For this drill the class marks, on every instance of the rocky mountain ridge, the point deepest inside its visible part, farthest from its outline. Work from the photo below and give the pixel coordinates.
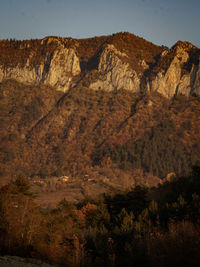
(116, 109)
(120, 61)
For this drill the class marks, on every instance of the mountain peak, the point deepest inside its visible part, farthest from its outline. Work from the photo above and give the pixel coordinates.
(184, 45)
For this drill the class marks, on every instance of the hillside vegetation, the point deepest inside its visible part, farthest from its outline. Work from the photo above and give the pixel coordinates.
(142, 227)
(45, 133)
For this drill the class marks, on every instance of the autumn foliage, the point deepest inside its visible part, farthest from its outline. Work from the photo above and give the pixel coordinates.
(143, 227)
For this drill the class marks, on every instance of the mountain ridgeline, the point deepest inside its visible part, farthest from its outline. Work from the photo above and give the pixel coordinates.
(106, 106)
(110, 63)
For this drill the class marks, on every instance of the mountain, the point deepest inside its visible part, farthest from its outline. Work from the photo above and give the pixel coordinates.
(117, 109)
(120, 61)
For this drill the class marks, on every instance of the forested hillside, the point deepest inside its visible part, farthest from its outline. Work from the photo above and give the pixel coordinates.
(45, 133)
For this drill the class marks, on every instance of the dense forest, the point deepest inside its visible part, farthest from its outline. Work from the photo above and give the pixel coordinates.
(155, 152)
(138, 227)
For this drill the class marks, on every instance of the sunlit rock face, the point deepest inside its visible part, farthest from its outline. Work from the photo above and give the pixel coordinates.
(174, 79)
(56, 69)
(115, 73)
(62, 67)
(175, 71)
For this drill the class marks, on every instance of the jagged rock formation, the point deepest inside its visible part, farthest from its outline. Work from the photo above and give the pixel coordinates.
(57, 62)
(56, 68)
(62, 67)
(177, 77)
(115, 74)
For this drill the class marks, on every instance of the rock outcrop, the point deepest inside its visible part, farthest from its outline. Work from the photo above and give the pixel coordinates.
(174, 71)
(169, 80)
(63, 66)
(173, 80)
(56, 69)
(115, 73)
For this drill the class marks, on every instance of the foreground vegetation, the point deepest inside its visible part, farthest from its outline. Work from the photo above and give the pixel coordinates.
(140, 227)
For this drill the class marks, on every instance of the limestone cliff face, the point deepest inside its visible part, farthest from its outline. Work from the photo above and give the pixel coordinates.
(174, 80)
(175, 70)
(56, 69)
(22, 74)
(62, 67)
(115, 73)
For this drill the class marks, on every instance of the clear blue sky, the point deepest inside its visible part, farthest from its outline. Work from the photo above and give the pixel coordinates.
(160, 21)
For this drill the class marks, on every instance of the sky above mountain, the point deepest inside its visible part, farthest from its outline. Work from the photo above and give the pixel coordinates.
(162, 22)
